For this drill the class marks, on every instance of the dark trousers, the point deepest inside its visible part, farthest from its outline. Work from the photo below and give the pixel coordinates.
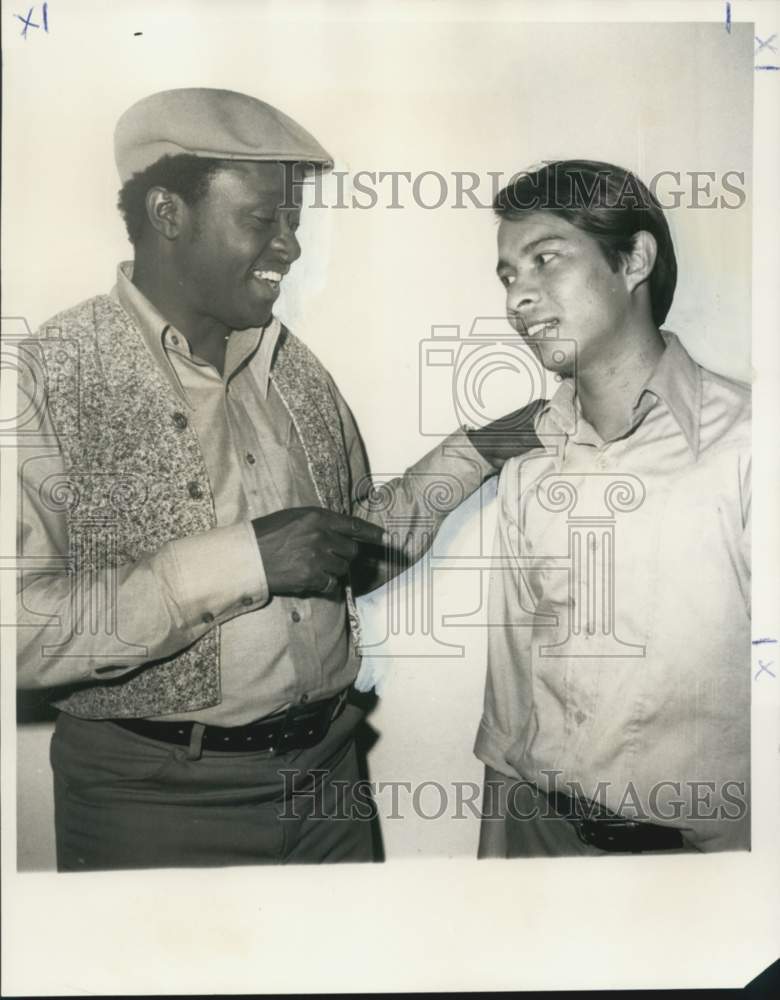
(125, 801)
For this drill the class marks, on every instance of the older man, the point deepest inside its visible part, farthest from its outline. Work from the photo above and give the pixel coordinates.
(191, 504)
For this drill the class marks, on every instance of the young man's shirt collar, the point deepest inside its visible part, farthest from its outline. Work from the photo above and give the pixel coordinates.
(675, 381)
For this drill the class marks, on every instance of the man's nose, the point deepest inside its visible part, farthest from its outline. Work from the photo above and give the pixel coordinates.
(522, 294)
(285, 242)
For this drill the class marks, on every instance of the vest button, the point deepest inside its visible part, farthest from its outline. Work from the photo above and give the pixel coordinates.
(246, 600)
(250, 458)
(195, 491)
(296, 616)
(180, 421)
(207, 618)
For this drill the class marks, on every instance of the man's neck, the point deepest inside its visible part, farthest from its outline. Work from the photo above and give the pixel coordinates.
(206, 337)
(607, 388)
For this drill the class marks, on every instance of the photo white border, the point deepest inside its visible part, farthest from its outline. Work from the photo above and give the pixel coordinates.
(441, 925)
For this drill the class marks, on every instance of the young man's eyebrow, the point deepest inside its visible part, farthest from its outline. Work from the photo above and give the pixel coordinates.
(544, 239)
(502, 262)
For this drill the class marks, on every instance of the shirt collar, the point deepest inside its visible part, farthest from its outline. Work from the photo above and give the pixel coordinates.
(560, 414)
(675, 381)
(156, 331)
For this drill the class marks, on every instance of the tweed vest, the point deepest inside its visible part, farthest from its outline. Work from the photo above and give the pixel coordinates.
(135, 478)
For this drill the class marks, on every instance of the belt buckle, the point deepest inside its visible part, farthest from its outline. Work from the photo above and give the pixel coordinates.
(290, 728)
(309, 732)
(605, 834)
(592, 833)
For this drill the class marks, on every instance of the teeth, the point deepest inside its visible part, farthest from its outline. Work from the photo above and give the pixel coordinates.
(537, 328)
(268, 275)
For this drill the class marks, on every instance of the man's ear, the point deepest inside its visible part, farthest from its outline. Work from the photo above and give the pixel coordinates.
(640, 260)
(165, 212)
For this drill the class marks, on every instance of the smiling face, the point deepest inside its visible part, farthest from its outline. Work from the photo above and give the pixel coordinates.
(559, 285)
(237, 243)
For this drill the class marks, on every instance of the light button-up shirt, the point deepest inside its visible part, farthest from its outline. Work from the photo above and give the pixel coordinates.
(622, 580)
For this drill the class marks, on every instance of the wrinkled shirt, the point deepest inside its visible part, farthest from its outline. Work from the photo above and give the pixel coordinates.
(274, 651)
(619, 638)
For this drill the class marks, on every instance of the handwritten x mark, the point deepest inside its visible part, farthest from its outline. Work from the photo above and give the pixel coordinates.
(766, 44)
(27, 21)
(764, 669)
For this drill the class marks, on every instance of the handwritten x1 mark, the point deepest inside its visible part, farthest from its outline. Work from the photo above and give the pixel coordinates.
(764, 669)
(766, 44)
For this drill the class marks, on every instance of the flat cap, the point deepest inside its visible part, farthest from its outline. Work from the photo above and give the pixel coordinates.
(218, 124)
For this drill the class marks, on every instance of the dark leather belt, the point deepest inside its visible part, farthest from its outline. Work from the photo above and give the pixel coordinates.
(298, 727)
(607, 831)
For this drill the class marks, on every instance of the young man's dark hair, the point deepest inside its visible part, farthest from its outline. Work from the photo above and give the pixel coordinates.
(183, 174)
(609, 203)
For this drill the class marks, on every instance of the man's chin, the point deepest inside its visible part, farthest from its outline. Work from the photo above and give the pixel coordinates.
(554, 357)
(257, 317)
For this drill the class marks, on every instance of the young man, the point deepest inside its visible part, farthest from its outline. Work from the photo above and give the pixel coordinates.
(188, 508)
(617, 705)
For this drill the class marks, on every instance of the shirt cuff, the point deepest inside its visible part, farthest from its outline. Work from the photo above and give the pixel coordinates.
(214, 576)
(491, 747)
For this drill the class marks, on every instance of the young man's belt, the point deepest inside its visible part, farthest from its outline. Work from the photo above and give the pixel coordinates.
(607, 831)
(295, 728)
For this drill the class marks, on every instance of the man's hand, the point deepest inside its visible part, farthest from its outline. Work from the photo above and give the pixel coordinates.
(508, 436)
(307, 550)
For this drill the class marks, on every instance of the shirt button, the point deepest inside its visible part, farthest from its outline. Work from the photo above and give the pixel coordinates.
(208, 618)
(246, 600)
(296, 616)
(195, 491)
(304, 699)
(179, 420)
(174, 339)
(250, 458)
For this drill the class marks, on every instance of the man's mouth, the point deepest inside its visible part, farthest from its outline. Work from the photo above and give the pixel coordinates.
(543, 328)
(271, 278)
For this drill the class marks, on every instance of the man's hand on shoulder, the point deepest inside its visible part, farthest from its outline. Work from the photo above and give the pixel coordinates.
(508, 436)
(307, 550)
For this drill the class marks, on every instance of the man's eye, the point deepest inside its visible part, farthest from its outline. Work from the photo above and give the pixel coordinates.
(506, 279)
(262, 220)
(545, 258)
